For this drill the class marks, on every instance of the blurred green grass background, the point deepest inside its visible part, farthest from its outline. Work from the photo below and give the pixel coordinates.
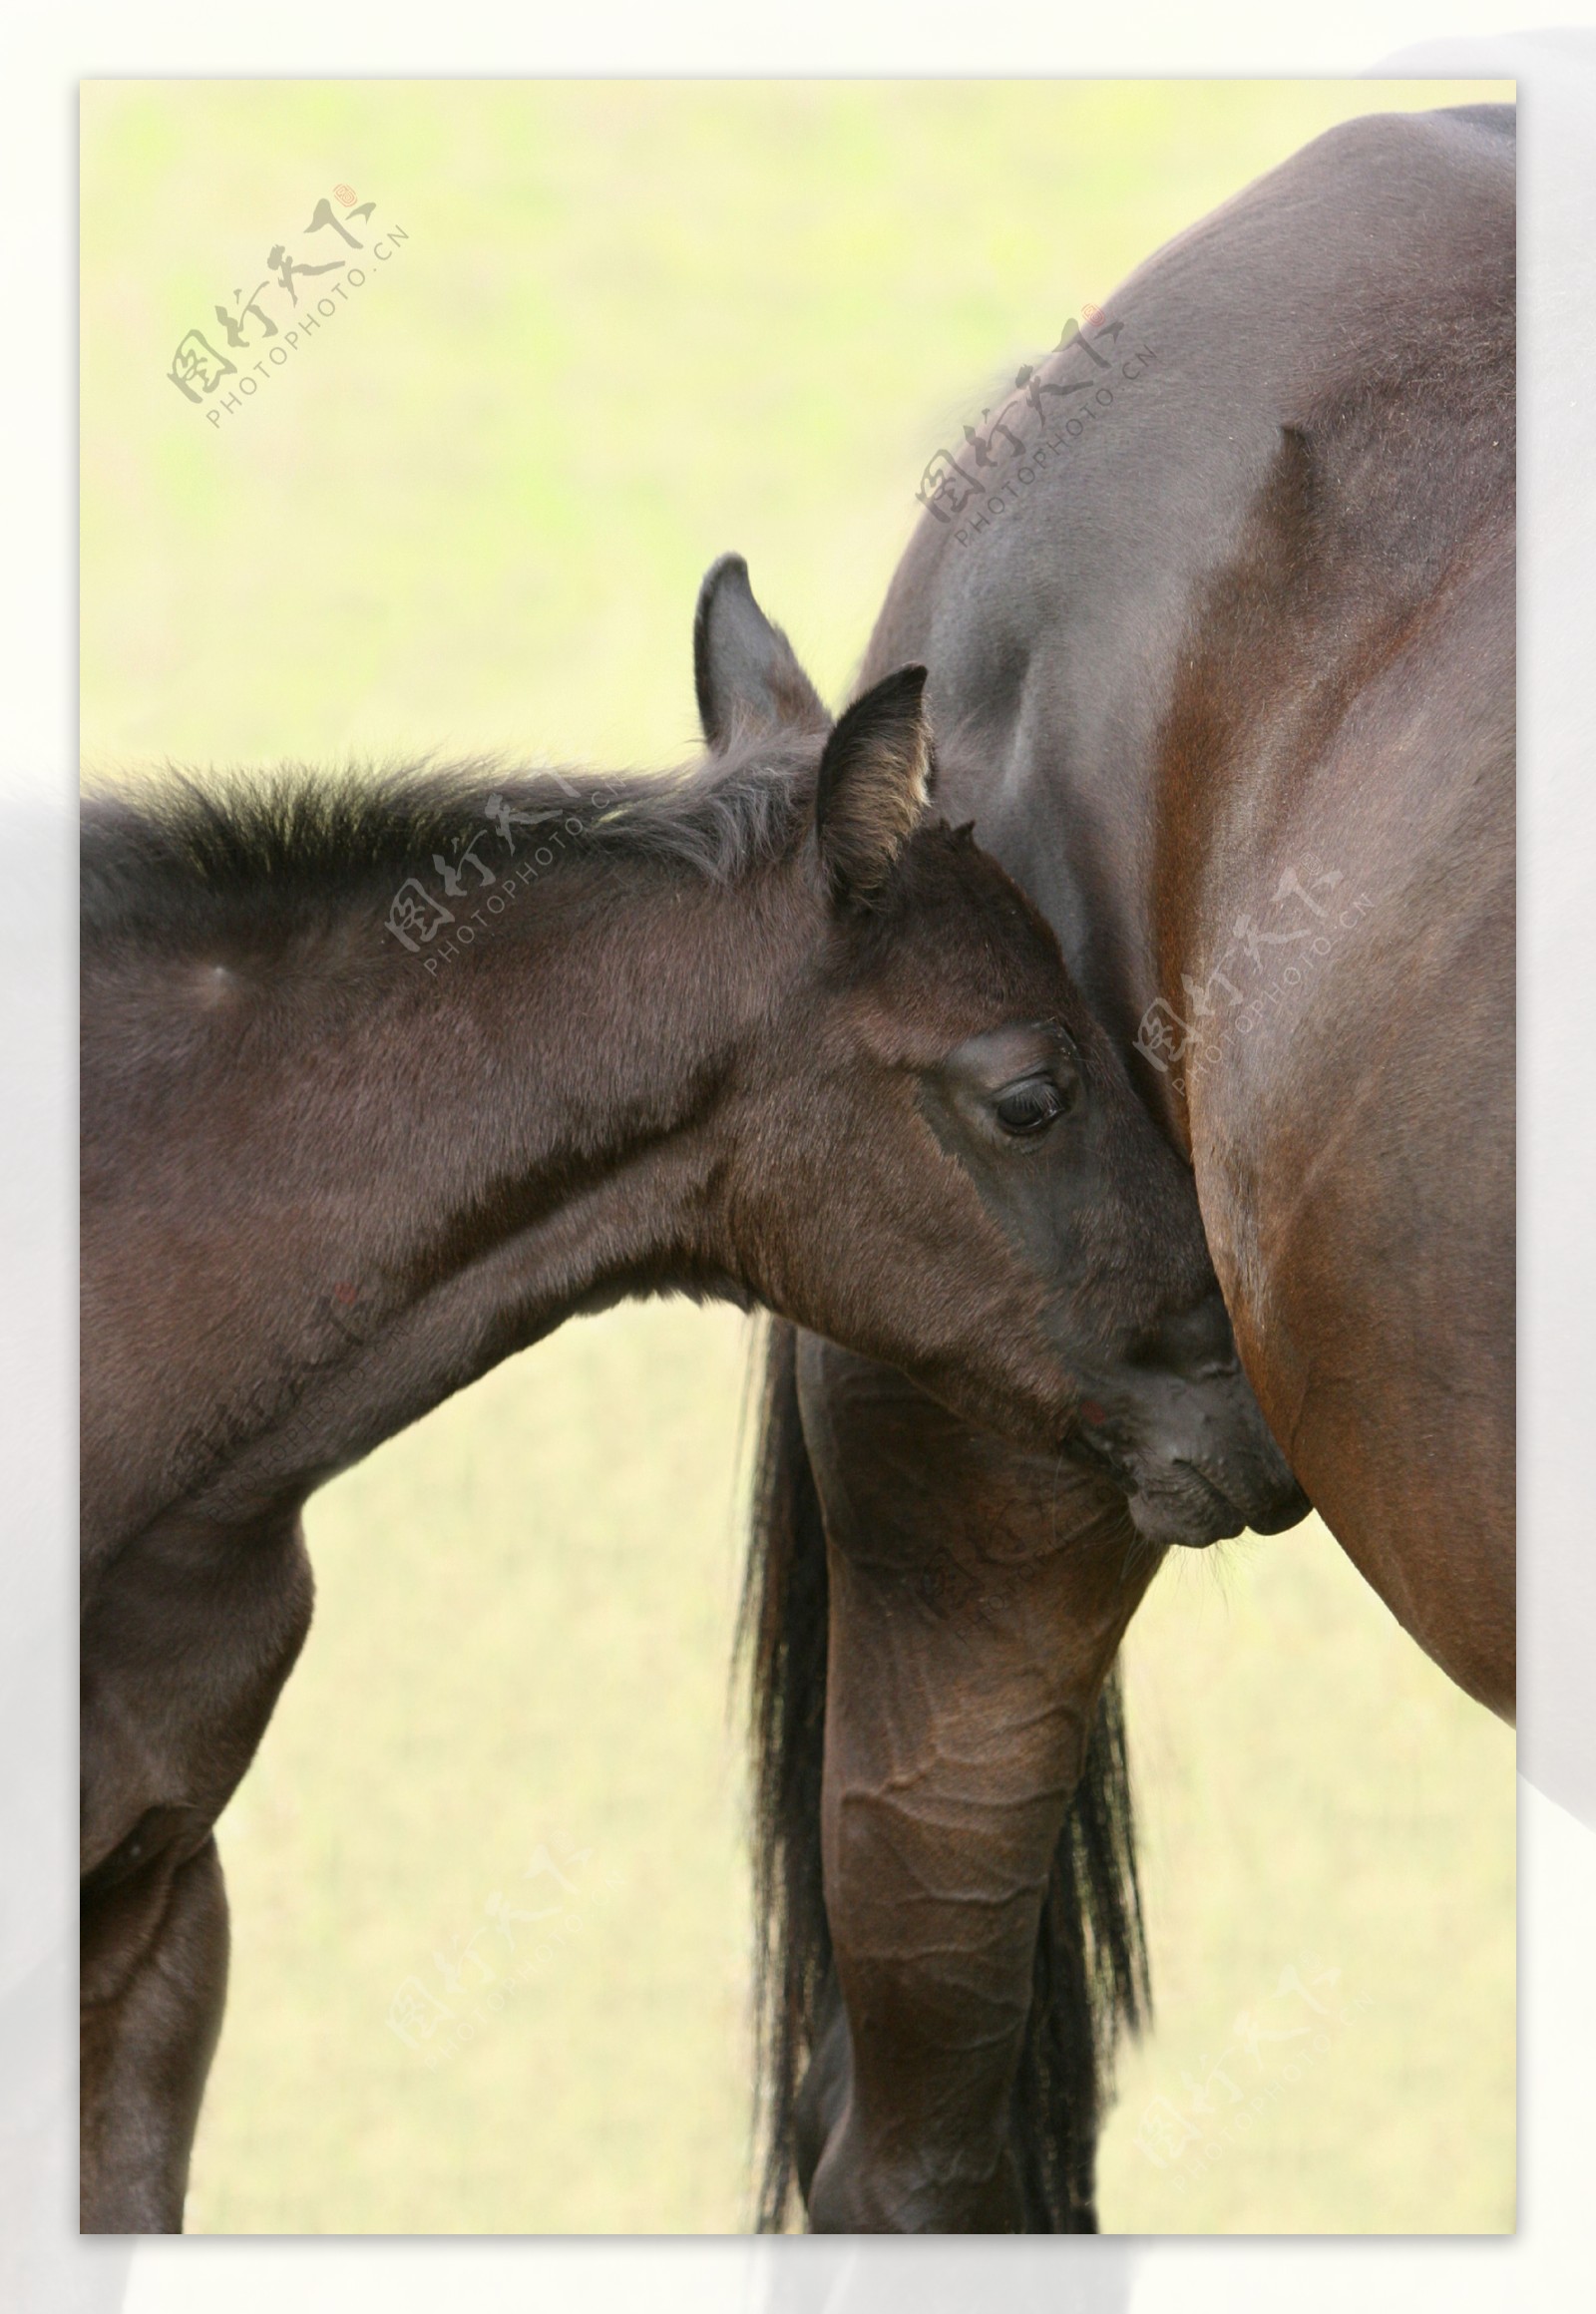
(633, 325)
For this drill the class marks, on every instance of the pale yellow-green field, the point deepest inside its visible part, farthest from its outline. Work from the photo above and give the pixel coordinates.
(632, 327)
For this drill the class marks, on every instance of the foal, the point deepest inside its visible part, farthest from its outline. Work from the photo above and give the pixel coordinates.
(381, 1082)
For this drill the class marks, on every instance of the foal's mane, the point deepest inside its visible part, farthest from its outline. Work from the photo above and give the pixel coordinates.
(174, 853)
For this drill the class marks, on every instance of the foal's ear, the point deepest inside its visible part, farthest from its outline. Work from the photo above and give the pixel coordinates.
(875, 781)
(749, 683)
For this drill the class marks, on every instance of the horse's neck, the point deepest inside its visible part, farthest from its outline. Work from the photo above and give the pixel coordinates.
(403, 1180)
(563, 1078)
(343, 1142)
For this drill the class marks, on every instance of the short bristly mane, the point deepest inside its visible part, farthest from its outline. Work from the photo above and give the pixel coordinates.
(174, 853)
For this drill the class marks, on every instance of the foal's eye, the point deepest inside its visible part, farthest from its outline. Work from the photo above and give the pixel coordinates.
(1028, 1108)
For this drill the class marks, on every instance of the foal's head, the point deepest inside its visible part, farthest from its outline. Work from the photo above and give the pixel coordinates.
(938, 1159)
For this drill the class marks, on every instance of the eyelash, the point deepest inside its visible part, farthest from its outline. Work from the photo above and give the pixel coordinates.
(1040, 1102)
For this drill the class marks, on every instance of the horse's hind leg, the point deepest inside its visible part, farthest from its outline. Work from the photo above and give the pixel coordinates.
(978, 1597)
(155, 1971)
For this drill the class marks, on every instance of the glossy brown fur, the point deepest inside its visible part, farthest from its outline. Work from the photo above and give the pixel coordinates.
(1373, 1141)
(1259, 628)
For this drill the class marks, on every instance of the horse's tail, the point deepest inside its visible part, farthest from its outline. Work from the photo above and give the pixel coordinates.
(783, 1624)
(1089, 1983)
(1091, 1973)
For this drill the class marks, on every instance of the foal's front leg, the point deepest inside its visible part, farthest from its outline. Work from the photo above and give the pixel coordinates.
(155, 1978)
(187, 1637)
(978, 1598)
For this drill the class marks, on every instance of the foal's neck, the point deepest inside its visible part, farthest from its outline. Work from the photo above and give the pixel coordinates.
(537, 1129)
(580, 1052)
(368, 1171)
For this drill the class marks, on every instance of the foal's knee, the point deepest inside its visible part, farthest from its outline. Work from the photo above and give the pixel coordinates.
(158, 1942)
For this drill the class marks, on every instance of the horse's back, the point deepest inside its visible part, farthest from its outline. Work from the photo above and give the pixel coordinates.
(1056, 632)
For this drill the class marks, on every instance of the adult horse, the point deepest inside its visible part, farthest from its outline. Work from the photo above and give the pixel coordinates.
(356, 1129)
(1220, 639)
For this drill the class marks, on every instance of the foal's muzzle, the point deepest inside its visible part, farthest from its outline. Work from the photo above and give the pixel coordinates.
(1179, 1428)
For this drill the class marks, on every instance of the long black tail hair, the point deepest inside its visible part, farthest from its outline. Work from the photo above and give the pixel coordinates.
(1090, 1973)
